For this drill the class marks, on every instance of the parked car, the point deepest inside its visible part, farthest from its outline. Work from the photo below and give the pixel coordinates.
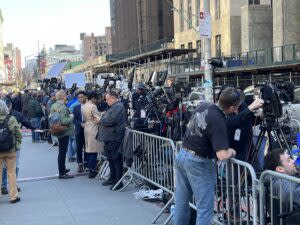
(194, 99)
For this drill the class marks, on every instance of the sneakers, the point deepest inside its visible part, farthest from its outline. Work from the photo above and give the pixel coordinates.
(65, 176)
(15, 200)
(4, 190)
(92, 174)
(108, 183)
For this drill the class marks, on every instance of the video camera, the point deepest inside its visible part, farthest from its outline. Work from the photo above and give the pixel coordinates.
(49, 85)
(274, 94)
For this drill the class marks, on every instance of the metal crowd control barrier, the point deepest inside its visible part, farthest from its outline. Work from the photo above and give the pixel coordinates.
(276, 199)
(236, 196)
(153, 163)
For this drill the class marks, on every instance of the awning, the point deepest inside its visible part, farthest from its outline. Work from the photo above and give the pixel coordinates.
(56, 70)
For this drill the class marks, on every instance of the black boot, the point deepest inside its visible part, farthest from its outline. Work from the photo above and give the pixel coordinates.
(92, 174)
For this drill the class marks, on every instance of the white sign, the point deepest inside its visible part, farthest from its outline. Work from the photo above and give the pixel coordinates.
(75, 78)
(205, 25)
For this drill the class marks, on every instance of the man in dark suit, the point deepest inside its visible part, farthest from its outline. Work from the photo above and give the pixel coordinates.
(111, 131)
(79, 131)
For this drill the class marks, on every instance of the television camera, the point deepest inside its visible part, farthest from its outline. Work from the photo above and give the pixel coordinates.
(49, 85)
(274, 95)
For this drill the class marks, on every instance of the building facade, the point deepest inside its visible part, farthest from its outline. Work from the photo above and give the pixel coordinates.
(186, 23)
(138, 23)
(62, 53)
(256, 26)
(225, 27)
(2, 76)
(286, 22)
(94, 46)
(12, 58)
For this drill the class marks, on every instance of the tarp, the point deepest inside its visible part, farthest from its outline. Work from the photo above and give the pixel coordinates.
(75, 78)
(56, 70)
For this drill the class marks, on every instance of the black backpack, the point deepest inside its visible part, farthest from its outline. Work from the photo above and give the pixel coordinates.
(6, 137)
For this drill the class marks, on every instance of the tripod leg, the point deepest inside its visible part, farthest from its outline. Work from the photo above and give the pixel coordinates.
(285, 141)
(253, 154)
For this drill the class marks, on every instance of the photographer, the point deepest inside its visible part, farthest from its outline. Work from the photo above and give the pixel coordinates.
(205, 140)
(138, 104)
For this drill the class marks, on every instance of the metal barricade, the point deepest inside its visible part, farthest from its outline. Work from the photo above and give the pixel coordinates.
(236, 196)
(153, 163)
(277, 192)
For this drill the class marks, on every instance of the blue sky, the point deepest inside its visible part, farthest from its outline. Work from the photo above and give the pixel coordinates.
(51, 22)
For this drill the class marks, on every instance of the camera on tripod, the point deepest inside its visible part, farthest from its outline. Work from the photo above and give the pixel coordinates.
(274, 95)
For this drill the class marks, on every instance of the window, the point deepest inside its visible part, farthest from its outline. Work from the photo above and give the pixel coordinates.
(254, 2)
(218, 46)
(190, 14)
(96, 52)
(96, 47)
(199, 45)
(181, 16)
(197, 12)
(190, 45)
(199, 48)
(182, 46)
(218, 10)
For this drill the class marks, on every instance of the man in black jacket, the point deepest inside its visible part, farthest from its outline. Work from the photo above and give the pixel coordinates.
(35, 113)
(79, 131)
(111, 132)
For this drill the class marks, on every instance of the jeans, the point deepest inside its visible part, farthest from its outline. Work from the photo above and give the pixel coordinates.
(71, 153)
(36, 123)
(62, 151)
(79, 148)
(91, 160)
(4, 171)
(194, 175)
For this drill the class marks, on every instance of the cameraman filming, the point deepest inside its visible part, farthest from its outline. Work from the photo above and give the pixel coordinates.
(138, 104)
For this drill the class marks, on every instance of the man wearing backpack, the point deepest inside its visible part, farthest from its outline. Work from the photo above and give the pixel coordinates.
(10, 142)
(66, 122)
(21, 119)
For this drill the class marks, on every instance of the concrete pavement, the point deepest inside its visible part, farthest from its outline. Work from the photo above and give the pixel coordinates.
(78, 201)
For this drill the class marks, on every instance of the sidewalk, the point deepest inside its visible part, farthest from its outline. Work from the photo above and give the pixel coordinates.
(78, 201)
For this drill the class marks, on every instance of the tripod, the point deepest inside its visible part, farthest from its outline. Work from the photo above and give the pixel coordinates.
(271, 127)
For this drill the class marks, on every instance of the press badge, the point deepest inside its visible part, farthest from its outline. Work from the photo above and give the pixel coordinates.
(143, 114)
(237, 134)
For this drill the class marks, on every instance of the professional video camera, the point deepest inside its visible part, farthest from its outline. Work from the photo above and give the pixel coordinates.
(49, 85)
(154, 100)
(274, 94)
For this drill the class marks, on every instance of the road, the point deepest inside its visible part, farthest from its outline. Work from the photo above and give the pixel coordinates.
(46, 200)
